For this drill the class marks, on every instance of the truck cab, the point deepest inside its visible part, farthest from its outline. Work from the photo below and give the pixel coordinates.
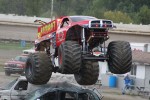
(15, 90)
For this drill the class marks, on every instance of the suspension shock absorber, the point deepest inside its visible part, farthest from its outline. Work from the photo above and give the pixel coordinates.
(83, 41)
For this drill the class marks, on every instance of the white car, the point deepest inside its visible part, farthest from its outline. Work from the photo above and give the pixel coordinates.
(21, 89)
(15, 90)
(28, 51)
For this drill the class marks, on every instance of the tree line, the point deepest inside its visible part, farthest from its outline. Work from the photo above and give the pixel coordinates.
(126, 11)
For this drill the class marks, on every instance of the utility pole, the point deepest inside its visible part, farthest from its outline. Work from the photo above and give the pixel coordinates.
(52, 9)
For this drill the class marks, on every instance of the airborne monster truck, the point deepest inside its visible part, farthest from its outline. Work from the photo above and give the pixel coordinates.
(73, 40)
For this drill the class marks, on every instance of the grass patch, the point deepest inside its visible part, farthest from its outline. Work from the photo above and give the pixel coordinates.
(14, 46)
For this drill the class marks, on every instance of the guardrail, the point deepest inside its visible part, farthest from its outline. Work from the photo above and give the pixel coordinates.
(28, 23)
(21, 19)
(133, 27)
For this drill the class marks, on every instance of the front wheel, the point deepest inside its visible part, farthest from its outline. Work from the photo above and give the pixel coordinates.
(38, 68)
(88, 75)
(69, 57)
(120, 57)
(7, 73)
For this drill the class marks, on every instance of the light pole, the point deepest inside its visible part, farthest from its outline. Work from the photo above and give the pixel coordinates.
(52, 9)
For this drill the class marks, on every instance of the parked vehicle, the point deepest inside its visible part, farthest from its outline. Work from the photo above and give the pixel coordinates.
(62, 91)
(72, 39)
(20, 89)
(16, 65)
(15, 90)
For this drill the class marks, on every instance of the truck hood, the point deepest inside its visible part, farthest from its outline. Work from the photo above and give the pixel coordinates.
(81, 23)
(4, 92)
(15, 62)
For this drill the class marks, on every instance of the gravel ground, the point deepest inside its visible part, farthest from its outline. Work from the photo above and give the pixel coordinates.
(115, 94)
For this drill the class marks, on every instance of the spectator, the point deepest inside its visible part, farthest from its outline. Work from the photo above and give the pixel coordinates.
(127, 83)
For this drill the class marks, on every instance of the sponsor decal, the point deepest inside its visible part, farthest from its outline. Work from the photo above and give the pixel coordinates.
(45, 29)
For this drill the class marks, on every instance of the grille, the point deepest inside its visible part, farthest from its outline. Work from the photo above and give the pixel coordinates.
(12, 65)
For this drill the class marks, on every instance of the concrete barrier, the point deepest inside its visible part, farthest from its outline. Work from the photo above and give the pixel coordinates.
(23, 28)
(13, 19)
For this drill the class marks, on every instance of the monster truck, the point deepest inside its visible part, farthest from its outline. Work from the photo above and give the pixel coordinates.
(78, 43)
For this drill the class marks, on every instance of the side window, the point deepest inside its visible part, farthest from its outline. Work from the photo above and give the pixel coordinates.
(67, 96)
(86, 96)
(49, 96)
(83, 96)
(22, 85)
(133, 69)
(64, 23)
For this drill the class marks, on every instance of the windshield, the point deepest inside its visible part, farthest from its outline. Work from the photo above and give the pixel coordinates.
(81, 18)
(85, 96)
(36, 93)
(21, 58)
(8, 87)
(33, 95)
(88, 95)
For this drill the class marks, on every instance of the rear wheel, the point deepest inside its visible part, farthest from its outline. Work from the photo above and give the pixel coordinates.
(69, 57)
(38, 68)
(120, 57)
(88, 74)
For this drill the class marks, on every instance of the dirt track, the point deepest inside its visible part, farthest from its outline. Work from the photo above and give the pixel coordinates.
(109, 94)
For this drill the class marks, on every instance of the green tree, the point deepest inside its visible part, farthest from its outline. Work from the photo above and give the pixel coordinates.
(12, 7)
(33, 8)
(118, 16)
(144, 15)
(133, 10)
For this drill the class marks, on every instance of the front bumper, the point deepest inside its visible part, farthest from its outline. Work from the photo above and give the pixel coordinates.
(94, 58)
(14, 70)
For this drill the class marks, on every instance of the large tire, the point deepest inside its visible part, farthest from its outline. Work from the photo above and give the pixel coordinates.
(120, 57)
(88, 74)
(7, 73)
(38, 68)
(69, 57)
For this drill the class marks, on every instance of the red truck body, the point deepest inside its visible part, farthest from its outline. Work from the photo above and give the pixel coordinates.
(46, 31)
(16, 65)
(73, 40)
